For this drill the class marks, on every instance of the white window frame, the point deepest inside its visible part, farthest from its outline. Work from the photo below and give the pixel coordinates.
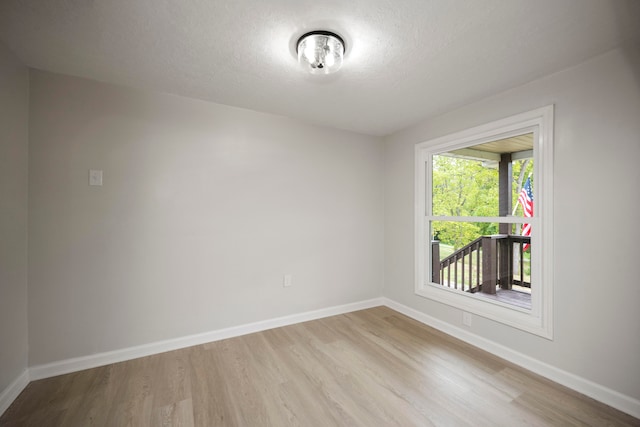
(538, 320)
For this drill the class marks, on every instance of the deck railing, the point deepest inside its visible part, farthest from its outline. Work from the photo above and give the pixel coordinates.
(483, 264)
(466, 273)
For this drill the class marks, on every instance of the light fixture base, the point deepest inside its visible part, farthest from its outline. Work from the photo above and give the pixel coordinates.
(321, 52)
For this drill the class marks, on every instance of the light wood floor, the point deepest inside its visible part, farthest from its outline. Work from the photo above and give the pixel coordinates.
(369, 368)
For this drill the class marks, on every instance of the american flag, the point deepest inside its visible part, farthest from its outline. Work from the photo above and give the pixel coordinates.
(526, 200)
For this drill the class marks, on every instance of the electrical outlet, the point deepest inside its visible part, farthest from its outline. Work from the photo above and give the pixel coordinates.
(287, 280)
(466, 318)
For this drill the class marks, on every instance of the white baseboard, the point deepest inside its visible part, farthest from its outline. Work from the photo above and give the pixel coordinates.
(10, 393)
(598, 392)
(101, 359)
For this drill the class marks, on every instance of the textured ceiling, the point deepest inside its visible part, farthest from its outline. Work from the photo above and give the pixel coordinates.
(406, 60)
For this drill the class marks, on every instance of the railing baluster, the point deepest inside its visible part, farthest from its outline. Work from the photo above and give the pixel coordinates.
(521, 263)
(471, 277)
(455, 272)
(462, 269)
(478, 269)
(444, 269)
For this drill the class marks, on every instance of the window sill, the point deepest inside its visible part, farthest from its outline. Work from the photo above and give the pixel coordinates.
(510, 315)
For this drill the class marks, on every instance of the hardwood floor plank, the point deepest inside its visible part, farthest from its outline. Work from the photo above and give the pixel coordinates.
(211, 399)
(369, 368)
(176, 414)
(172, 379)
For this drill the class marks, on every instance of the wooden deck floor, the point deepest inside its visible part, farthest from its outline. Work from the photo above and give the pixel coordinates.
(511, 297)
(369, 368)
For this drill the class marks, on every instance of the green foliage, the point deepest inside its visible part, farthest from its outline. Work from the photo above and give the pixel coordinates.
(456, 234)
(463, 187)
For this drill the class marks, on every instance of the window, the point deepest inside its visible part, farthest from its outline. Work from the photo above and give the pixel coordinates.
(483, 220)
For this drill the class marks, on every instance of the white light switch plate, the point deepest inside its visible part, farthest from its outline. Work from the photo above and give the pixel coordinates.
(287, 280)
(95, 177)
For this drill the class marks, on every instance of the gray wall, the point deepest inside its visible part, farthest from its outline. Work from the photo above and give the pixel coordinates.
(203, 209)
(14, 98)
(596, 202)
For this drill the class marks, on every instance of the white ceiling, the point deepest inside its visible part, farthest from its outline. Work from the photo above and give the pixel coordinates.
(406, 60)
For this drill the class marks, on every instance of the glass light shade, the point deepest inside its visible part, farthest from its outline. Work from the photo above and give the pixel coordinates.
(320, 52)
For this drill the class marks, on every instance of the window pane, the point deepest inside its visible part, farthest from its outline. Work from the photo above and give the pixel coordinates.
(483, 179)
(463, 187)
(472, 257)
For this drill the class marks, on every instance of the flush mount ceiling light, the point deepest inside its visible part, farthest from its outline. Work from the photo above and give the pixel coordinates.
(320, 52)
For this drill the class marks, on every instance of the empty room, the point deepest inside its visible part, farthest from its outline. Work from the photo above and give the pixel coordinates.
(298, 213)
